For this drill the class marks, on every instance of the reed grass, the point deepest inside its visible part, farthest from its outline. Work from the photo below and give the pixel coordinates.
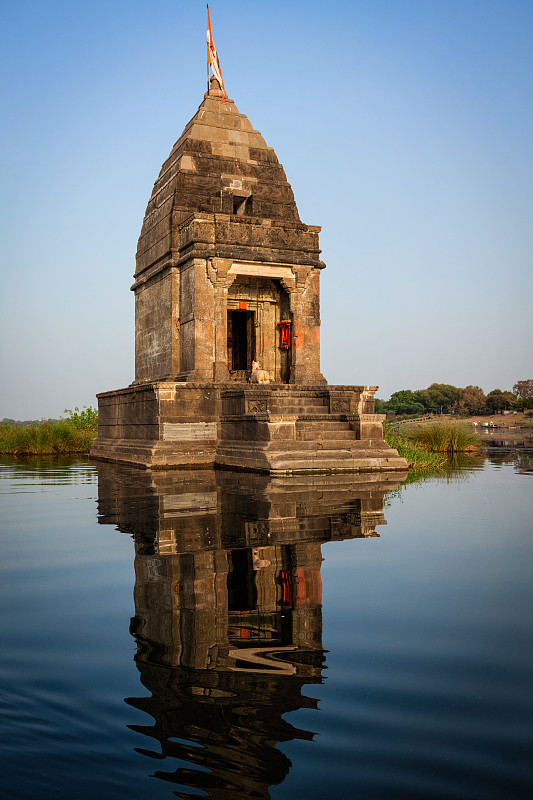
(418, 457)
(47, 437)
(445, 437)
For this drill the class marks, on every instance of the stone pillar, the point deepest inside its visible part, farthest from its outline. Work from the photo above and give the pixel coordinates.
(217, 269)
(220, 366)
(202, 343)
(305, 310)
(297, 369)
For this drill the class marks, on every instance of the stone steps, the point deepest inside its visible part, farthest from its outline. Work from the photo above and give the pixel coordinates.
(337, 433)
(310, 422)
(316, 434)
(331, 463)
(325, 466)
(308, 447)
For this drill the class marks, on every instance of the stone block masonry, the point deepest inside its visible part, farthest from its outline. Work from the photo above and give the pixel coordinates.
(275, 429)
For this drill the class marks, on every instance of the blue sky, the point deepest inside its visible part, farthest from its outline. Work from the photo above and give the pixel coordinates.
(405, 129)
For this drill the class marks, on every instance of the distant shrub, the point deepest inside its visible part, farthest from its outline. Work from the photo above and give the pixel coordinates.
(87, 418)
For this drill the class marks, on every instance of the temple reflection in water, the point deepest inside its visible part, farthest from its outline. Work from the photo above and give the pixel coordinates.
(228, 611)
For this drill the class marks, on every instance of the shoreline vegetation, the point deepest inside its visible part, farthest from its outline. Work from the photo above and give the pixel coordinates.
(433, 446)
(74, 434)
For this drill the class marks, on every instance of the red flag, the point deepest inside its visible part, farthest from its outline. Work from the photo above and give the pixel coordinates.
(212, 57)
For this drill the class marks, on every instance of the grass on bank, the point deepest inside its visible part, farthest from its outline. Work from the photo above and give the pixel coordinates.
(445, 437)
(418, 457)
(74, 434)
(431, 447)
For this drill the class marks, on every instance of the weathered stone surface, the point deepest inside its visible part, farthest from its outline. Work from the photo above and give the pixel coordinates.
(189, 431)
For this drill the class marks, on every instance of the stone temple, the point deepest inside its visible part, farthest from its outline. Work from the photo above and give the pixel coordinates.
(227, 274)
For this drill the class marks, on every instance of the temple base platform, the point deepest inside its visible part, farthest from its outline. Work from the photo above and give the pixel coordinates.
(279, 429)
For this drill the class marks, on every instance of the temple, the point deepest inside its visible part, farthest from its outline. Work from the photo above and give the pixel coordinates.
(227, 274)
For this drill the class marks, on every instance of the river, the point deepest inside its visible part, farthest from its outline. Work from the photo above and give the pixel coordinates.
(202, 634)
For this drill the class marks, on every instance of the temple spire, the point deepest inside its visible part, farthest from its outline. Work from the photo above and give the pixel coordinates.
(213, 61)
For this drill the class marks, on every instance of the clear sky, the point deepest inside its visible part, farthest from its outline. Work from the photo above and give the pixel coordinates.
(405, 128)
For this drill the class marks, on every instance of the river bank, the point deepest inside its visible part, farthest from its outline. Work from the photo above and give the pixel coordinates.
(47, 438)
(515, 419)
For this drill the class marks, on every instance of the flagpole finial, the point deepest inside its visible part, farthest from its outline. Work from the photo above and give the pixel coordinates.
(214, 89)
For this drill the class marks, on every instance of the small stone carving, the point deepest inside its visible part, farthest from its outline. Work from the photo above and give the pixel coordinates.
(256, 406)
(340, 406)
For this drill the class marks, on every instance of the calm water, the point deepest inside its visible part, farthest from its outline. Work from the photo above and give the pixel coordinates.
(224, 636)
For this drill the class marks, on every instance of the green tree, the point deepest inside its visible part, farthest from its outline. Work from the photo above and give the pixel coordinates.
(523, 389)
(473, 400)
(87, 418)
(406, 402)
(524, 403)
(498, 401)
(440, 397)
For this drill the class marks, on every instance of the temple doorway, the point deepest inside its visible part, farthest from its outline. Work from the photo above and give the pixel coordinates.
(241, 341)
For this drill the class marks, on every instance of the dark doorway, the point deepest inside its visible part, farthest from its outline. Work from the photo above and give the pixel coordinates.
(242, 594)
(241, 340)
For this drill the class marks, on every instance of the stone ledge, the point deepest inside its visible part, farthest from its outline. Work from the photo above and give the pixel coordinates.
(235, 386)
